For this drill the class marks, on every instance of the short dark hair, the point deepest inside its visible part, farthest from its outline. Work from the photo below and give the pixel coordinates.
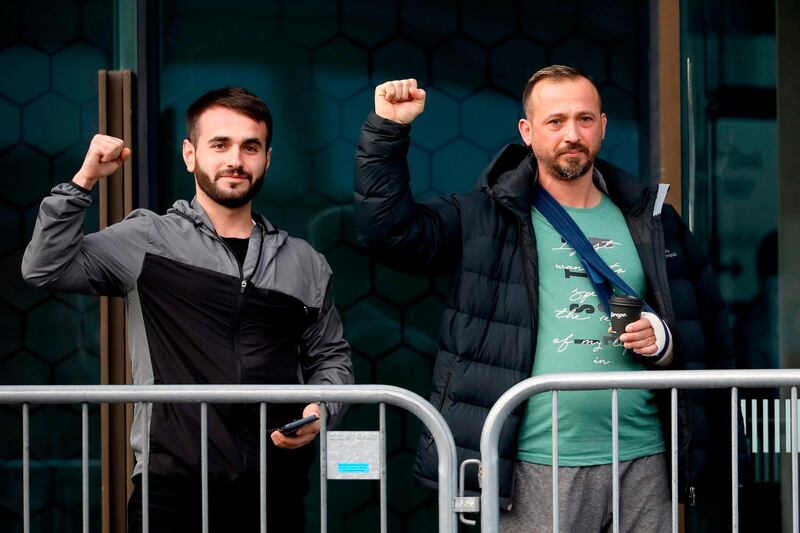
(556, 73)
(233, 98)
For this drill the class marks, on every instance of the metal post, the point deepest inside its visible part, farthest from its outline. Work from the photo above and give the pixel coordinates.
(26, 471)
(262, 466)
(554, 425)
(323, 467)
(734, 460)
(795, 519)
(615, 459)
(145, 409)
(85, 465)
(382, 433)
(204, 461)
(673, 435)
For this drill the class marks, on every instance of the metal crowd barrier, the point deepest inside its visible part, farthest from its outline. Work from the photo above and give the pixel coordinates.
(205, 394)
(666, 379)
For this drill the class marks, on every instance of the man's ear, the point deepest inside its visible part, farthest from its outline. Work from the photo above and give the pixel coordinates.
(525, 131)
(188, 155)
(269, 158)
(603, 121)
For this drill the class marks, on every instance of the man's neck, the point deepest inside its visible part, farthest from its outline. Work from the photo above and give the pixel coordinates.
(234, 222)
(580, 192)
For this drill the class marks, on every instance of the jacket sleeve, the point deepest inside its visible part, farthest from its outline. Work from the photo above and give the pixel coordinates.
(325, 358)
(712, 312)
(60, 257)
(418, 238)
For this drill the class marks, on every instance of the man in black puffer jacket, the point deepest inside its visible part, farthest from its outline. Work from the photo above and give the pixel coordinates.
(520, 304)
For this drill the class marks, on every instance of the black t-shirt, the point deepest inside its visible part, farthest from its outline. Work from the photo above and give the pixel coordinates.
(239, 247)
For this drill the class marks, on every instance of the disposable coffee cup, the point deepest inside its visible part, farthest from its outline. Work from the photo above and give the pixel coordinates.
(624, 310)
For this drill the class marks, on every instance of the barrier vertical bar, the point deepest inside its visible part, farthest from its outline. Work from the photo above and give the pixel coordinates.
(382, 433)
(793, 426)
(145, 409)
(754, 424)
(262, 465)
(734, 460)
(554, 426)
(85, 466)
(673, 435)
(204, 462)
(323, 467)
(765, 425)
(26, 471)
(615, 459)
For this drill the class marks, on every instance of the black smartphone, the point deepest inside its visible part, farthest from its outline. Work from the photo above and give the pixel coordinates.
(290, 428)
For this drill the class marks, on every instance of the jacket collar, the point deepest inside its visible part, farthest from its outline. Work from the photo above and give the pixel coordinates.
(195, 212)
(511, 177)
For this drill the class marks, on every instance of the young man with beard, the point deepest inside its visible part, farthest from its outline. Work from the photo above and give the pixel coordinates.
(521, 304)
(215, 293)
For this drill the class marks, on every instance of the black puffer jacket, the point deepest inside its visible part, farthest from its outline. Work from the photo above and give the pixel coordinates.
(485, 240)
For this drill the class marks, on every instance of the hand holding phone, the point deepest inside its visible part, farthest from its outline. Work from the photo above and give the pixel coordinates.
(292, 427)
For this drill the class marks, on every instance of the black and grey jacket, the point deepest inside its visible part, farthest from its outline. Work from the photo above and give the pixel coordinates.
(196, 317)
(486, 242)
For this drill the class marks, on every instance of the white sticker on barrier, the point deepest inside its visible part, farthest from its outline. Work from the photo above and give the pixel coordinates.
(354, 455)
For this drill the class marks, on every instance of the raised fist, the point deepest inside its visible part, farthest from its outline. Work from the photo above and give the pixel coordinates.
(105, 155)
(399, 100)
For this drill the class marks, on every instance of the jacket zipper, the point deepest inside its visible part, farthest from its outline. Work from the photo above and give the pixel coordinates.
(441, 405)
(237, 317)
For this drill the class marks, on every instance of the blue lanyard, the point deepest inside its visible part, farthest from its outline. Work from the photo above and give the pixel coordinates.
(600, 274)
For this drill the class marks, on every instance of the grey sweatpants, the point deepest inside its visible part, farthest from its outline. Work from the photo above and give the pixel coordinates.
(585, 499)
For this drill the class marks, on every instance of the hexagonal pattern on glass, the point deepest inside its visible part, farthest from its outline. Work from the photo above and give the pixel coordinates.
(22, 59)
(438, 123)
(507, 58)
(51, 113)
(28, 175)
(339, 69)
(11, 326)
(63, 327)
(406, 368)
(10, 222)
(75, 71)
(549, 21)
(490, 118)
(368, 22)
(422, 324)
(344, 258)
(609, 21)
(332, 171)
(25, 368)
(50, 26)
(398, 286)
(9, 24)
(459, 67)
(581, 51)
(489, 22)
(17, 293)
(9, 124)
(456, 167)
(354, 111)
(419, 166)
(309, 22)
(429, 23)
(400, 59)
(373, 326)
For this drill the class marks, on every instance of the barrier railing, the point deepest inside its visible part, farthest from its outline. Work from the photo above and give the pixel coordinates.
(260, 394)
(667, 379)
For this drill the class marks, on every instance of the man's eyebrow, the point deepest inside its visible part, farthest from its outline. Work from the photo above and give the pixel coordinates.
(224, 139)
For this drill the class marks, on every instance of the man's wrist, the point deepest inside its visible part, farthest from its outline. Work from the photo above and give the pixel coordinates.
(83, 181)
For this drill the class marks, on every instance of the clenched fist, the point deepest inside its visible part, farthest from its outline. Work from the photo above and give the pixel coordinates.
(399, 100)
(105, 155)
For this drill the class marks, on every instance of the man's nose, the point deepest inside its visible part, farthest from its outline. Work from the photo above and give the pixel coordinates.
(234, 158)
(570, 131)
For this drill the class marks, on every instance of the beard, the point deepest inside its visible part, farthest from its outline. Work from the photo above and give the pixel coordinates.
(231, 198)
(573, 167)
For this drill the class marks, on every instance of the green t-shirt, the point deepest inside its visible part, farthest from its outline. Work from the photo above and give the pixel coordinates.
(573, 337)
